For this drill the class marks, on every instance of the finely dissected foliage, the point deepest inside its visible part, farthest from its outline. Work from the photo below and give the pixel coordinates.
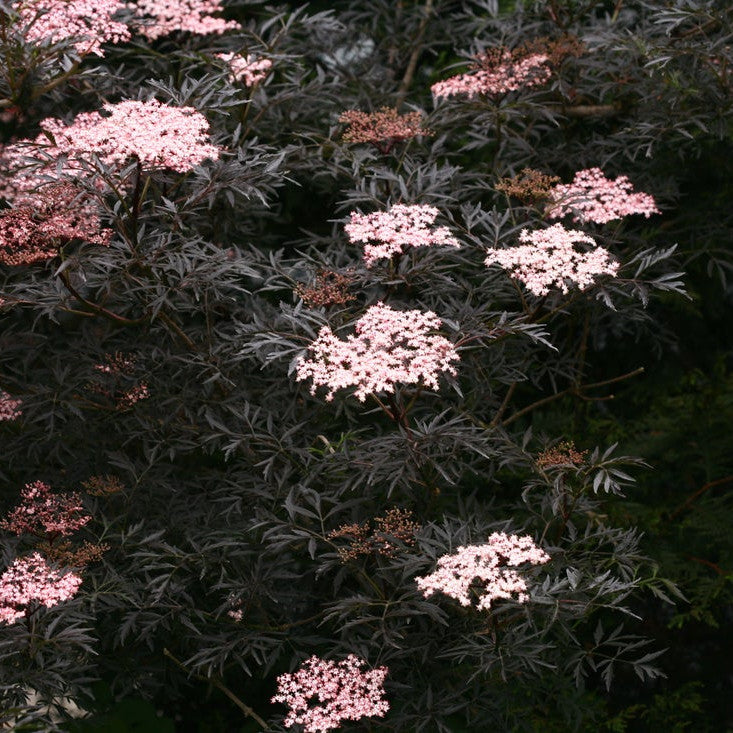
(304, 443)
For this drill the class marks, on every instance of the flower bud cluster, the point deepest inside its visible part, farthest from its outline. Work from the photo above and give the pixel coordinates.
(9, 407)
(382, 128)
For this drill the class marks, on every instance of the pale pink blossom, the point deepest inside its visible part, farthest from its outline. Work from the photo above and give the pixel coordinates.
(158, 18)
(386, 233)
(548, 258)
(156, 134)
(30, 580)
(322, 694)
(484, 573)
(593, 197)
(249, 70)
(43, 512)
(89, 23)
(390, 347)
(9, 407)
(500, 72)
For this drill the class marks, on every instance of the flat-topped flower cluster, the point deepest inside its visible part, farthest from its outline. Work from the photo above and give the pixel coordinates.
(593, 197)
(390, 347)
(499, 71)
(156, 134)
(386, 233)
(322, 694)
(548, 258)
(484, 573)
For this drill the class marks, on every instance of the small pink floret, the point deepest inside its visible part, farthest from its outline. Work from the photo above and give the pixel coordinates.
(390, 347)
(484, 573)
(158, 18)
(9, 407)
(341, 689)
(249, 70)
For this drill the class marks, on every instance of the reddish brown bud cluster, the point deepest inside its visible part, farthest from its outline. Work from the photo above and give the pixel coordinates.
(382, 128)
(563, 454)
(64, 553)
(103, 485)
(330, 288)
(395, 524)
(556, 49)
(529, 186)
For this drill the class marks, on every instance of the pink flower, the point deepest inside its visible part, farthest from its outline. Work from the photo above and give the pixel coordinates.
(158, 18)
(548, 258)
(43, 512)
(482, 572)
(390, 347)
(9, 407)
(31, 580)
(386, 233)
(248, 69)
(500, 71)
(593, 197)
(89, 23)
(342, 689)
(158, 135)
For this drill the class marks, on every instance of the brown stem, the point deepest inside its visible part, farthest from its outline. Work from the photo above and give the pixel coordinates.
(246, 709)
(690, 500)
(415, 55)
(504, 405)
(121, 320)
(570, 390)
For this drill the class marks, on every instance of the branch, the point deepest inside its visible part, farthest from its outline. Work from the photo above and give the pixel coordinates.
(246, 709)
(698, 494)
(415, 55)
(570, 390)
(121, 320)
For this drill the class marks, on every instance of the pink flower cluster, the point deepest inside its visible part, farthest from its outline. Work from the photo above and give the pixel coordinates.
(500, 72)
(157, 135)
(342, 689)
(9, 407)
(43, 512)
(483, 572)
(88, 22)
(386, 233)
(46, 221)
(158, 18)
(390, 347)
(548, 258)
(31, 580)
(248, 69)
(593, 197)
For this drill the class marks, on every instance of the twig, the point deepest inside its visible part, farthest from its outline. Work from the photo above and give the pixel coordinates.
(98, 308)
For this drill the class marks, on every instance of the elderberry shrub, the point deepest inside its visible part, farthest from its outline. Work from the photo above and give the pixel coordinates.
(283, 292)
